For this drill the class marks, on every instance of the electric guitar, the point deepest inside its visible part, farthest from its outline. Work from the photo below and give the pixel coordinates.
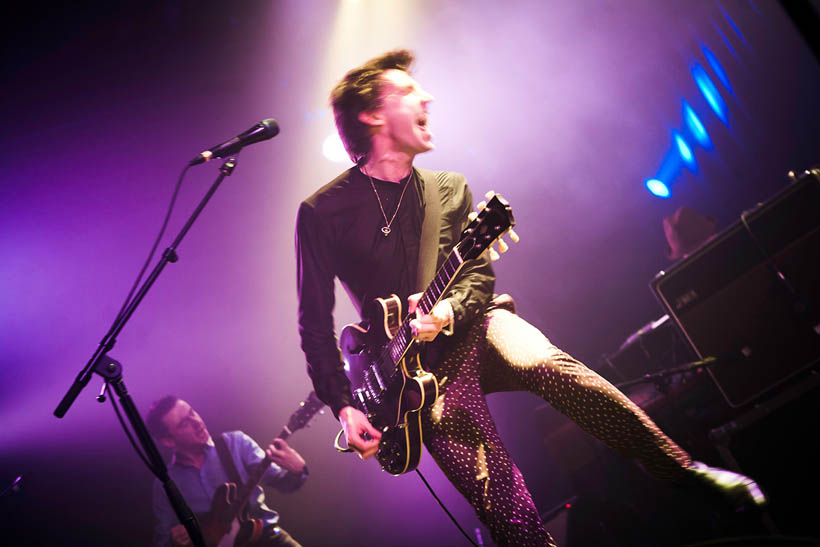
(382, 359)
(227, 523)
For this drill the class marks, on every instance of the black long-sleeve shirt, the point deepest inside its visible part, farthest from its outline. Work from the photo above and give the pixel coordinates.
(338, 234)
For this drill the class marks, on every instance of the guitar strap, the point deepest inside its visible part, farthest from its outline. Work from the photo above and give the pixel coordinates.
(428, 246)
(227, 461)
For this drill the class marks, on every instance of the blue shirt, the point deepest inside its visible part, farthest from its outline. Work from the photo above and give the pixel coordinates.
(198, 485)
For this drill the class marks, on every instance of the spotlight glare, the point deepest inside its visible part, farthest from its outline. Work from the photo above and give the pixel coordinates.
(734, 26)
(696, 126)
(709, 91)
(334, 150)
(657, 188)
(717, 68)
(684, 150)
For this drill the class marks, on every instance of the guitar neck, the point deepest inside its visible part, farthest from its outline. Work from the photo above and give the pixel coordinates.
(243, 494)
(398, 345)
(299, 419)
(443, 278)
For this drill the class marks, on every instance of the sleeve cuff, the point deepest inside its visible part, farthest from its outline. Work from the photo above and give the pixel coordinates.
(447, 307)
(458, 312)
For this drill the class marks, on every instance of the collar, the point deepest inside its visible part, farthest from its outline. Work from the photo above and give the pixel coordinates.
(208, 447)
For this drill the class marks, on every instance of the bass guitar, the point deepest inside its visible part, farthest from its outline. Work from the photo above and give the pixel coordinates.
(228, 524)
(382, 359)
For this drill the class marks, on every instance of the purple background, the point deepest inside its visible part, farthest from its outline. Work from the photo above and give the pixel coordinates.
(563, 107)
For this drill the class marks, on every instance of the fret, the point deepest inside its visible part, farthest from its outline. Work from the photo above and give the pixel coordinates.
(395, 349)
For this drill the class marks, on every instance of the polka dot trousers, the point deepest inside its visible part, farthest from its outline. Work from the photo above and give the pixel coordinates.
(505, 353)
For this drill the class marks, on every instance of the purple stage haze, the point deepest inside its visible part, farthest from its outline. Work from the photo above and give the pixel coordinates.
(563, 107)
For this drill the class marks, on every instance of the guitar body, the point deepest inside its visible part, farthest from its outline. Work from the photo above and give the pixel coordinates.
(392, 396)
(222, 527)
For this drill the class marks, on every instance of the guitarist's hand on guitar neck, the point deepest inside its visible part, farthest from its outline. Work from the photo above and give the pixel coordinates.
(356, 426)
(284, 456)
(426, 327)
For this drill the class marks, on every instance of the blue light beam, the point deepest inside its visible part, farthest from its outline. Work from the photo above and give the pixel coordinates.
(710, 92)
(685, 151)
(718, 69)
(658, 188)
(695, 126)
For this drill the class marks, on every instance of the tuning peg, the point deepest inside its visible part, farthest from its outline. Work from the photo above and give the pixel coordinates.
(481, 205)
(472, 216)
(489, 195)
(513, 235)
(493, 254)
(502, 246)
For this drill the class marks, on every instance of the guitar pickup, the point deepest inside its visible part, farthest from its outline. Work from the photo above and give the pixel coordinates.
(378, 377)
(362, 402)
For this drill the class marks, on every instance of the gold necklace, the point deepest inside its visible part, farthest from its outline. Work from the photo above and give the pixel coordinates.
(387, 223)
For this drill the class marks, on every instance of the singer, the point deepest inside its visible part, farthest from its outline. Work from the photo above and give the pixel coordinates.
(364, 228)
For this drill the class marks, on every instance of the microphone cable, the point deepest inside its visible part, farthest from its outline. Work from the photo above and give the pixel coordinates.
(154, 247)
(127, 303)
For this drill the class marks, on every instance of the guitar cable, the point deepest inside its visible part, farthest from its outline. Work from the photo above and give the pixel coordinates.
(430, 488)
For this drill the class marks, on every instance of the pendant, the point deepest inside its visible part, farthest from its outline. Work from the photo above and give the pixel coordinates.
(386, 231)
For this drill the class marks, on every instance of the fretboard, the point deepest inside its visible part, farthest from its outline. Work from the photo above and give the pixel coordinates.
(245, 490)
(398, 345)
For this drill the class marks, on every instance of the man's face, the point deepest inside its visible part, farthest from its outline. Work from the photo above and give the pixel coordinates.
(402, 116)
(186, 430)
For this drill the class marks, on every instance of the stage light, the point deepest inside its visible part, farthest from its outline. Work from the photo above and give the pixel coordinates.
(734, 26)
(709, 91)
(658, 188)
(684, 150)
(717, 68)
(695, 126)
(334, 150)
(726, 41)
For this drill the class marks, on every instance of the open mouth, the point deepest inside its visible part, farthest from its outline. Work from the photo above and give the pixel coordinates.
(422, 122)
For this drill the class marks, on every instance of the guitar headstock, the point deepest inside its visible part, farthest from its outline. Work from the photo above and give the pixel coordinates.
(486, 226)
(306, 411)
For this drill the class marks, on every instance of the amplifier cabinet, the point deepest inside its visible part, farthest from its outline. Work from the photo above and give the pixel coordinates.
(750, 296)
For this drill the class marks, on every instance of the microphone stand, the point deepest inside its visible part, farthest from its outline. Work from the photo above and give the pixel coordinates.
(111, 371)
(657, 376)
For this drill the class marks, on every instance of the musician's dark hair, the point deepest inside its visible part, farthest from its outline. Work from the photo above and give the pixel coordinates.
(155, 414)
(359, 92)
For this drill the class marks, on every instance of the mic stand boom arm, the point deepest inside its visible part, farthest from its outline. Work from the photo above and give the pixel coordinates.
(655, 377)
(111, 371)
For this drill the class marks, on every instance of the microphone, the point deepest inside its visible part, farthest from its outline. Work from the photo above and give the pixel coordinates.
(264, 130)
